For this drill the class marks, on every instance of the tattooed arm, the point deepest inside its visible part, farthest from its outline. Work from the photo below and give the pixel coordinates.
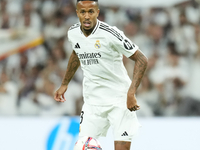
(71, 68)
(73, 65)
(139, 70)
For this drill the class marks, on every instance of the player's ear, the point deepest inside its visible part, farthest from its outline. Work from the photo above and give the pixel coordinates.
(77, 13)
(98, 11)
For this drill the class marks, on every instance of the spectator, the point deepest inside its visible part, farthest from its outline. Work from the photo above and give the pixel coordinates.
(8, 95)
(190, 104)
(148, 96)
(172, 79)
(5, 22)
(116, 12)
(55, 30)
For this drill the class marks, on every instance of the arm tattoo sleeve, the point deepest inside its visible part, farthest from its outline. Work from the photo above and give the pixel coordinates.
(73, 65)
(139, 69)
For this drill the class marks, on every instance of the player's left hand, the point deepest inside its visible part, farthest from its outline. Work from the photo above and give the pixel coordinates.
(132, 102)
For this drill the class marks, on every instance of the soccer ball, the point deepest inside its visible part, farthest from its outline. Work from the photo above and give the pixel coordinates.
(87, 143)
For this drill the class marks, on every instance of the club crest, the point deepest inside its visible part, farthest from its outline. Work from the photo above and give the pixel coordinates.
(97, 45)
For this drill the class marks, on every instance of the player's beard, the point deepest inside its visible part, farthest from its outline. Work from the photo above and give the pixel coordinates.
(87, 31)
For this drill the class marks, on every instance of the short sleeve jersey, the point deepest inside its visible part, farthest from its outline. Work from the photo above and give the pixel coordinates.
(105, 78)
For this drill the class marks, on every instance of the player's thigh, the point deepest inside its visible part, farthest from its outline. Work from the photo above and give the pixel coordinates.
(124, 123)
(92, 123)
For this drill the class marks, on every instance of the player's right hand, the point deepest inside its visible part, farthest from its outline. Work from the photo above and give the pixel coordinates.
(59, 94)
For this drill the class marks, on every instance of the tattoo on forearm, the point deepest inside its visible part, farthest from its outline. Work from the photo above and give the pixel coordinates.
(73, 65)
(139, 69)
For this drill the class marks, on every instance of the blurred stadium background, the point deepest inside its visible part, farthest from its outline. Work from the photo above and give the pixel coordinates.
(34, 53)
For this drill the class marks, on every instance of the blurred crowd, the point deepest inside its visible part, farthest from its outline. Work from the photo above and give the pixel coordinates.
(168, 36)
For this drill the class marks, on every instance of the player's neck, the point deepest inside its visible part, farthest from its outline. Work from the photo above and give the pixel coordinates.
(87, 32)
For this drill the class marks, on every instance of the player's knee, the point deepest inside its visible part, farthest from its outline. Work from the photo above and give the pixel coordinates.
(122, 145)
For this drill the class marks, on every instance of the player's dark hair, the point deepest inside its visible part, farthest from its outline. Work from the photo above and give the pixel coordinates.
(88, 0)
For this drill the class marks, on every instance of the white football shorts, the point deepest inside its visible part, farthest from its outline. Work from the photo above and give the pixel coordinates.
(96, 120)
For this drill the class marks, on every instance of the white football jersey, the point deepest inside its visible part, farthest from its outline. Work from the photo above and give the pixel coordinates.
(105, 78)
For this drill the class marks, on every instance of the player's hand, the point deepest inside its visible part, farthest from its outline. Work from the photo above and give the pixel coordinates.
(132, 102)
(59, 94)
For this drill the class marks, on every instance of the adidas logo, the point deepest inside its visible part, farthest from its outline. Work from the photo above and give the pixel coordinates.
(125, 134)
(77, 45)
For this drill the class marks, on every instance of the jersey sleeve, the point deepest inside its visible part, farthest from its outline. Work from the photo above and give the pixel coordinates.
(71, 32)
(69, 37)
(123, 44)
